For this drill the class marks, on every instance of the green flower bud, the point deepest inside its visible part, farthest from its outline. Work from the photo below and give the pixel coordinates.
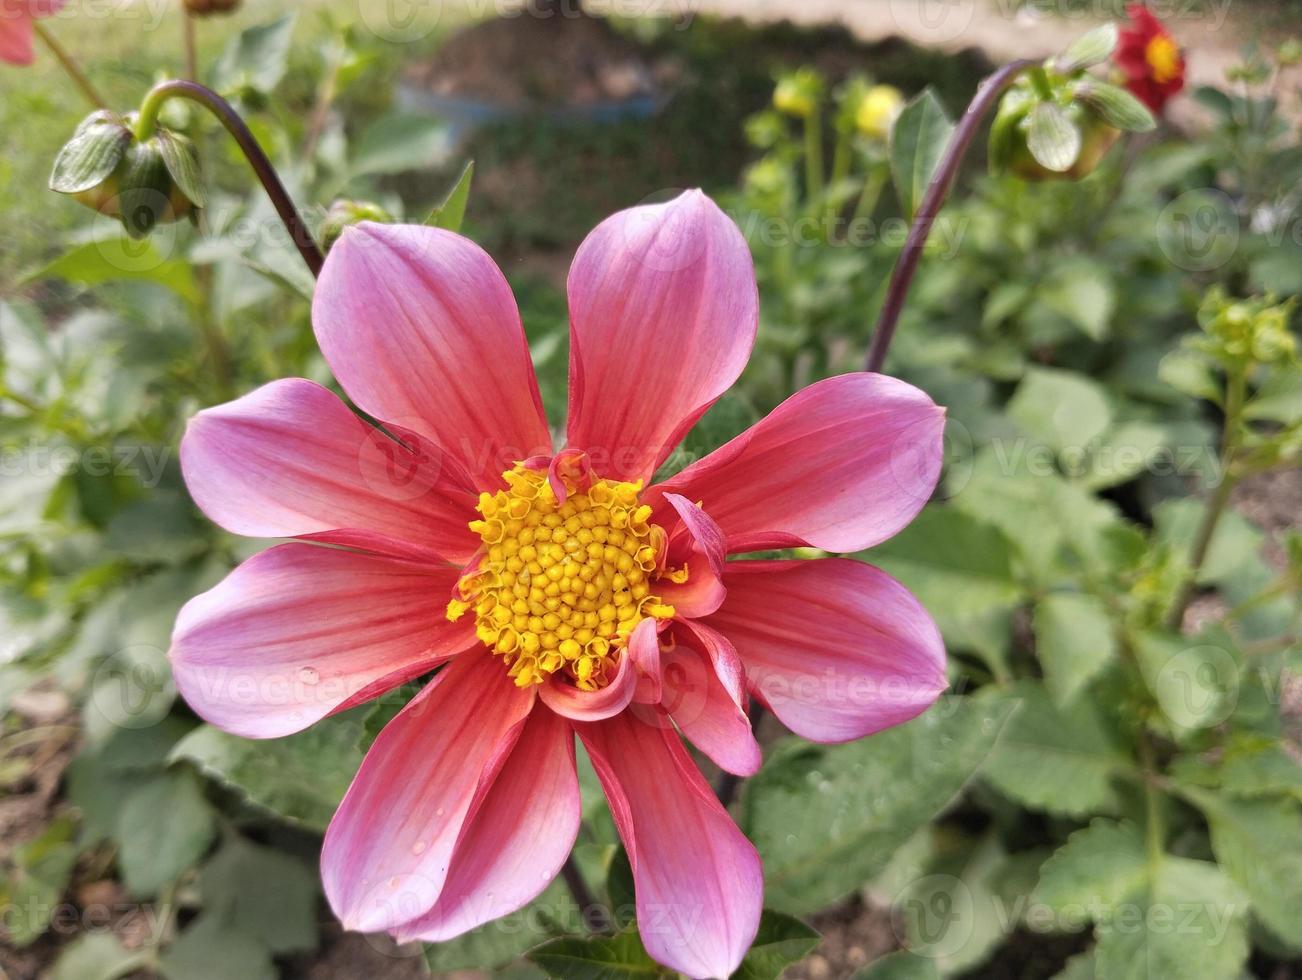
(799, 92)
(344, 213)
(138, 182)
(1256, 329)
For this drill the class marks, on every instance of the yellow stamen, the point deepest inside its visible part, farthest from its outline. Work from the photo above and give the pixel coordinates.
(1163, 57)
(562, 586)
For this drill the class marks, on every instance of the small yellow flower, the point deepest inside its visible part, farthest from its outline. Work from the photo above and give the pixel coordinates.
(877, 112)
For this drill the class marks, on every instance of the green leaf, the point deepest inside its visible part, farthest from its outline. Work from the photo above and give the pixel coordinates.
(41, 870)
(262, 892)
(93, 153)
(1053, 139)
(1063, 409)
(1235, 544)
(918, 140)
(1100, 866)
(300, 778)
(900, 966)
(1191, 373)
(97, 956)
(1116, 106)
(1090, 49)
(827, 818)
(618, 957)
(1074, 641)
(1261, 770)
(1060, 760)
(1259, 844)
(207, 950)
(256, 58)
(1188, 924)
(1194, 679)
(503, 940)
(182, 163)
(121, 259)
(399, 142)
(1082, 292)
(164, 828)
(450, 214)
(780, 942)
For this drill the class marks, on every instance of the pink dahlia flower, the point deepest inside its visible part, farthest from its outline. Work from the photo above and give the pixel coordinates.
(558, 592)
(16, 18)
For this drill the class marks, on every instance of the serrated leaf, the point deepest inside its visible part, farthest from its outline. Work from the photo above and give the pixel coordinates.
(1053, 139)
(1259, 844)
(163, 829)
(918, 141)
(93, 153)
(1195, 680)
(618, 957)
(1116, 106)
(182, 162)
(1091, 48)
(1189, 923)
(256, 58)
(827, 818)
(262, 892)
(452, 212)
(300, 778)
(1074, 641)
(1101, 866)
(780, 942)
(1061, 408)
(1059, 760)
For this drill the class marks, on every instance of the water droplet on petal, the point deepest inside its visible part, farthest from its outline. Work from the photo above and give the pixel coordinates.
(439, 812)
(308, 675)
(418, 847)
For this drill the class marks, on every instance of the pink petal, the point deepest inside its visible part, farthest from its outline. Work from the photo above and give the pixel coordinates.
(421, 329)
(663, 312)
(701, 546)
(290, 459)
(387, 850)
(837, 649)
(520, 834)
(698, 879)
(15, 38)
(643, 657)
(841, 465)
(706, 713)
(299, 631)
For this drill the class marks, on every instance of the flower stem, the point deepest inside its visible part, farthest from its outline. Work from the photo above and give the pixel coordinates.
(937, 191)
(266, 173)
(191, 56)
(588, 909)
(814, 156)
(69, 65)
(1236, 389)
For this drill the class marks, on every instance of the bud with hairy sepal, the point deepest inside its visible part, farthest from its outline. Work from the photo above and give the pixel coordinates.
(343, 213)
(1057, 123)
(139, 182)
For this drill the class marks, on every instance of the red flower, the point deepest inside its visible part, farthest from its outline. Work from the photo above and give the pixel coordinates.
(1150, 59)
(16, 27)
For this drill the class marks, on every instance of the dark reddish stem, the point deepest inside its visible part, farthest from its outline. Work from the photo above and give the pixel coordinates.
(937, 191)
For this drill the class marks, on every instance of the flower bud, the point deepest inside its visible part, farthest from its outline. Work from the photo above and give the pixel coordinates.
(138, 182)
(1238, 330)
(878, 110)
(798, 92)
(344, 213)
(206, 8)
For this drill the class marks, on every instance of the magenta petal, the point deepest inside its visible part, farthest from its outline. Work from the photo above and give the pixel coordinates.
(706, 712)
(518, 837)
(663, 312)
(642, 655)
(700, 545)
(299, 631)
(841, 465)
(836, 648)
(15, 38)
(698, 879)
(290, 459)
(387, 850)
(421, 329)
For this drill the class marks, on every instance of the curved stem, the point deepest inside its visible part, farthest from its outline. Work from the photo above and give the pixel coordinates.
(937, 191)
(69, 65)
(266, 173)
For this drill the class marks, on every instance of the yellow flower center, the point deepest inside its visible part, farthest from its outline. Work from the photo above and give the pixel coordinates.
(561, 585)
(1163, 56)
